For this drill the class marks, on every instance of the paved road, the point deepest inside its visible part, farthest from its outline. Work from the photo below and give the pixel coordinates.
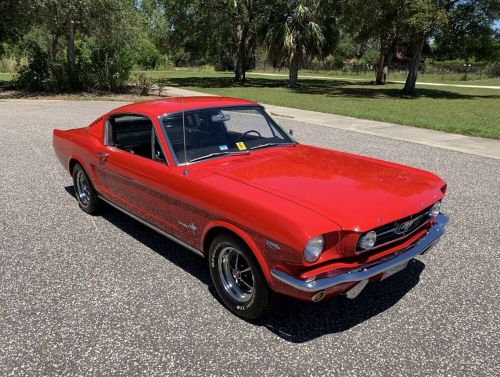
(82, 295)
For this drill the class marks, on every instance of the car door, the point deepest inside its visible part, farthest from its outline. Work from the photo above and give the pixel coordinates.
(135, 169)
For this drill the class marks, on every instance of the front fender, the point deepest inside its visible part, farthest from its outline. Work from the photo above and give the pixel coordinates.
(246, 238)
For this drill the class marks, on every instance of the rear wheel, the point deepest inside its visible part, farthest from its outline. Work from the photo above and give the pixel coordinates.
(84, 191)
(237, 277)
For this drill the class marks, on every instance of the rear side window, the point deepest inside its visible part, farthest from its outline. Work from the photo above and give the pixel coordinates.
(134, 134)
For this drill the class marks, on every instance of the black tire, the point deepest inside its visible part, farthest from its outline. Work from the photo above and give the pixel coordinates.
(256, 304)
(85, 192)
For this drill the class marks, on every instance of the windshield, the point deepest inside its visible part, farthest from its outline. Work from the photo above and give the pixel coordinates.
(223, 131)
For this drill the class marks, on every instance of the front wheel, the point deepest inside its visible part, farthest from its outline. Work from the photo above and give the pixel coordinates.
(237, 277)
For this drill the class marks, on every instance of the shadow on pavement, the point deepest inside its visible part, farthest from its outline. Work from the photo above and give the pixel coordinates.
(292, 320)
(300, 322)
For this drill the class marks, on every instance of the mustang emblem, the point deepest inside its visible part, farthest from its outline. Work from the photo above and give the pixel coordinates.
(406, 226)
(191, 226)
(272, 245)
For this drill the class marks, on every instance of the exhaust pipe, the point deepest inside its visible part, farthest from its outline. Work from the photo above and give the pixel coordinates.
(319, 296)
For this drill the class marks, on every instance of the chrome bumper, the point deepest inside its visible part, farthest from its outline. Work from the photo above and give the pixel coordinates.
(422, 245)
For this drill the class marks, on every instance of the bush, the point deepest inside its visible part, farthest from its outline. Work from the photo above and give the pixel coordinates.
(35, 75)
(101, 63)
(493, 69)
(143, 84)
(111, 66)
(148, 56)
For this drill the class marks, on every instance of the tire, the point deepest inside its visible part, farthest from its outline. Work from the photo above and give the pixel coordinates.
(84, 191)
(237, 277)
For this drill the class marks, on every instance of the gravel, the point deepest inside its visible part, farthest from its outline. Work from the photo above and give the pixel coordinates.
(97, 296)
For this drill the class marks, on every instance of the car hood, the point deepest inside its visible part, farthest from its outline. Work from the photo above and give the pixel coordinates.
(358, 193)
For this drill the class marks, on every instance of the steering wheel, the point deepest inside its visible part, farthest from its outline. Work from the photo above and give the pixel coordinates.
(249, 132)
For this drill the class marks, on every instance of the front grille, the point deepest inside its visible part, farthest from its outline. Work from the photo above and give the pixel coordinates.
(400, 229)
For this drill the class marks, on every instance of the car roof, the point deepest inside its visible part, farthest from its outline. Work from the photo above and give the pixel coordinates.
(159, 107)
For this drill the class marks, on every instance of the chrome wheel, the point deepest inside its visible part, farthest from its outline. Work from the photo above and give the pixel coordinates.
(235, 274)
(82, 188)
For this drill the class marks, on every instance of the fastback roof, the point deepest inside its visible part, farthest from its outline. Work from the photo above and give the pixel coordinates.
(159, 107)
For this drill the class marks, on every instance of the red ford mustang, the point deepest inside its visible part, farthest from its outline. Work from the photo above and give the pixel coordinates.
(220, 177)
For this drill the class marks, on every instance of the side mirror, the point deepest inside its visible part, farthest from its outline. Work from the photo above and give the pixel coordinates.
(290, 132)
(221, 117)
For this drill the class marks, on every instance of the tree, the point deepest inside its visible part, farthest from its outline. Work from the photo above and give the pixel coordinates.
(423, 17)
(469, 33)
(15, 18)
(375, 20)
(214, 30)
(298, 30)
(73, 45)
(245, 13)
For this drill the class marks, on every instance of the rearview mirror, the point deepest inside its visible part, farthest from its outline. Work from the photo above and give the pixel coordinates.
(221, 117)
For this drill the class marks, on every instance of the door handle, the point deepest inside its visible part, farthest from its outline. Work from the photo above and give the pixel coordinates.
(103, 156)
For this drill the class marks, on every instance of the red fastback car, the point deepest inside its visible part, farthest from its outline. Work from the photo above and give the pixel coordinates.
(221, 178)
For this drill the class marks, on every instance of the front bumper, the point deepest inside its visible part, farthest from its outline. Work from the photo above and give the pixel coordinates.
(362, 273)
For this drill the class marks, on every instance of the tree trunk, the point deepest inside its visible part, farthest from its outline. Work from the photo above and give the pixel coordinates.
(379, 79)
(383, 60)
(294, 70)
(411, 79)
(70, 52)
(240, 64)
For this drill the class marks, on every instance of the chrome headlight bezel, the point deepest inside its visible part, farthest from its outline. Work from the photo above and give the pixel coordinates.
(313, 249)
(367, 240)
(435, 209)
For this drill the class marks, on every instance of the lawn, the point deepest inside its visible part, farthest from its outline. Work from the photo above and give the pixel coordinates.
(466, 111)
(454, 79)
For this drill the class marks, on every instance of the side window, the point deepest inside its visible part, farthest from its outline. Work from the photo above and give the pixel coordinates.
(134, 134)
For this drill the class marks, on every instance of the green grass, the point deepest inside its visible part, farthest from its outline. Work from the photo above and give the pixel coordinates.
(425, 78)
(466, 111)
(432, 78)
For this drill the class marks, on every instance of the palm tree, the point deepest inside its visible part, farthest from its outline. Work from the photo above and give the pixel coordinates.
(300, 29)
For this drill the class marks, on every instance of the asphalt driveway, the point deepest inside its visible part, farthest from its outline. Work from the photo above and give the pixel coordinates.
(83, 295)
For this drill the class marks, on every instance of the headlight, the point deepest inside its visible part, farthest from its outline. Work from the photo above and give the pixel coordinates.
(314, 248)
(435, 209)
(368, 240)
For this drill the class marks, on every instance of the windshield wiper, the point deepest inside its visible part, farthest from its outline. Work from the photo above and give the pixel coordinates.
(270, 145)
(215, 154)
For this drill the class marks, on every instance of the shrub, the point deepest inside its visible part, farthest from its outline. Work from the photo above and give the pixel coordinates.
(493, 69)
(148, 56)
(35, 75)
(143, 84)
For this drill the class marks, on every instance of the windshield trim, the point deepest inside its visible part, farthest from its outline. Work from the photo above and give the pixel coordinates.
(250, 106)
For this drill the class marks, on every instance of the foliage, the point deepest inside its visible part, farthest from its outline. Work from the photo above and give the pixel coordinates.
(143, 84)
(93, 44)
(148, 56)
(299, 30)
(14, 20)
(469, 33)
(493, 69)
(71, 46)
